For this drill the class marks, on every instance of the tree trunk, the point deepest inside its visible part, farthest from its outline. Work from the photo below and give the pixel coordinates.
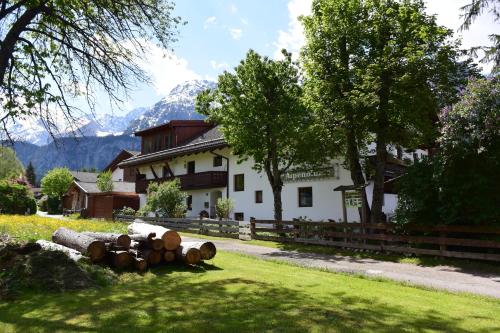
(171, 238)
(121, 240)
(207, 249)
(50, 246)
(278, 207)
(153, 257)
(89, 246)
(120, 259)
(169, 256)
(140, 264)
(188, 255)
(141, 237)
(378, 180)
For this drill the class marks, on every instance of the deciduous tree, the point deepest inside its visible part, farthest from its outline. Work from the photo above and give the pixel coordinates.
(56, 182)
(105, 181)
(10, 166)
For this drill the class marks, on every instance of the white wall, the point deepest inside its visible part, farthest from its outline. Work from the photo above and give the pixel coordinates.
(117, 175)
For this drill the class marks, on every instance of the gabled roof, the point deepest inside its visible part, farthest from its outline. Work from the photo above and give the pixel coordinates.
(120, 187)
(90, 177)
(209, 140)
(122, 155)
(170, 124)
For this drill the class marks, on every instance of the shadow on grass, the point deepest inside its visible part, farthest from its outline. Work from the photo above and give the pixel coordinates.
(167, 303)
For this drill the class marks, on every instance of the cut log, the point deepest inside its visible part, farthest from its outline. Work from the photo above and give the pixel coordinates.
(140, 264)
(94, 249)
(120, 259)
(190, 256)
(207, 249)
(169, 256)
(171, 239)
(141, 237)
(156, 243)
(152, 257)
(50, 246)
(107, 237)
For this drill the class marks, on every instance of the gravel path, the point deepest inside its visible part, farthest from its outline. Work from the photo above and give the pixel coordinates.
(438, 277)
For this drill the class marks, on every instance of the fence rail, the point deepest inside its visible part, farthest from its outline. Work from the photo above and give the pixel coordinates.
(209, 227)
(471, 242)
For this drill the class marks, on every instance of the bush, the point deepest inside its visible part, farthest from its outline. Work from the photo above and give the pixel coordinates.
(128, 211)
(16, 199)
(43, 204)
(166, 199)
(105, 181)
(54, 205)
(224, 207)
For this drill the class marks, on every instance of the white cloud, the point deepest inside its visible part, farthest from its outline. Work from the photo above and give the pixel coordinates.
(235, 33)
(293, 38)
(212, 20)
(165, 68)
(233, 9)
(217, 65)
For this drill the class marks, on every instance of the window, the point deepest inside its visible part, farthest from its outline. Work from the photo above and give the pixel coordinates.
(217, 161)
(258, 196)
(305, 197)
(239, 182)
(189, 202)
(239, 216)
(190, 167)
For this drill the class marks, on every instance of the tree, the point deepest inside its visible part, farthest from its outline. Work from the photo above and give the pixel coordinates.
(52, 51)
(261, 116)
(458, 184)
(57, 182)
(166, 199)
(379, 70)
(105, 181)
(470, 12)
(16, 198)
(224, 207)
(30, 174)
(10, 166)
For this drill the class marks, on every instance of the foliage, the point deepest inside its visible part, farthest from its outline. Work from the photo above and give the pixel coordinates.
(380, 67)
(261, 115)
(224, 207)
(43, 204)
(10, 166)
(53, 51)
(128, 211)
(105, 181)
(166, 199)
(56, 182)
(30, 174)
(459, 184)
(54, 205)
(470, 12)
(16, 199)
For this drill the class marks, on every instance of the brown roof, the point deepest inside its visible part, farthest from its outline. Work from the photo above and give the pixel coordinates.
(172, 123)
(122, 155)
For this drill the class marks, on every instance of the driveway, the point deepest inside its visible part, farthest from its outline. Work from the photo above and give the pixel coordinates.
(439, 277)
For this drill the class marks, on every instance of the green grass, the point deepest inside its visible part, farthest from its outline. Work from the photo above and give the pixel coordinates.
(235, 293)
(34, 227)
(421, 260)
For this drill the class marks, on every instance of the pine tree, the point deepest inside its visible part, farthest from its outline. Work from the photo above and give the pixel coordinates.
(30, 174)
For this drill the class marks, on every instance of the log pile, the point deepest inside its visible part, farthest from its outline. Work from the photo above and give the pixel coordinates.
(145, 245)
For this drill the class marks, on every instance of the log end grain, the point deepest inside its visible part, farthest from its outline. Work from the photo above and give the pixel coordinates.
(208, 250)
(124, 241)
(171, 240)
(169, 256)
(192, 256)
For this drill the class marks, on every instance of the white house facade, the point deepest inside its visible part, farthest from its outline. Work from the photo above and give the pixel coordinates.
(208, 170)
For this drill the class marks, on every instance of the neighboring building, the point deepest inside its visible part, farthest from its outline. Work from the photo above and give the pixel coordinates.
(196, 153)
(84, 196)
(119, 174)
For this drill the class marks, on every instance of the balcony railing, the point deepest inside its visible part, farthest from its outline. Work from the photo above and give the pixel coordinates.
(195, 181)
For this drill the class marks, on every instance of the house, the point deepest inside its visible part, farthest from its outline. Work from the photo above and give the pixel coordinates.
(119, 174)
(196, 153)
(84, 196)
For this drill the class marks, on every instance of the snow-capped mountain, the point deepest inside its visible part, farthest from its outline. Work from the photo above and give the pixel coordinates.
(178, 105)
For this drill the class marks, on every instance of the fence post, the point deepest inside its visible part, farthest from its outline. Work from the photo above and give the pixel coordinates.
(252, 228)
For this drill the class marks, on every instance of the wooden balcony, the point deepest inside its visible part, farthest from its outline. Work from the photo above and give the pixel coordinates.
(196, 181)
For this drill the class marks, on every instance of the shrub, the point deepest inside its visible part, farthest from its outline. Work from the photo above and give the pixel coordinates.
(16, 199)
(43, 204)
(54, 205)
(224, 207)
(166, 199)
(105, 181)
(126, 211)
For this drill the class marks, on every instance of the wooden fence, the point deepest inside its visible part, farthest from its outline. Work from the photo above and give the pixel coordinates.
(210, 227)
(471, 242)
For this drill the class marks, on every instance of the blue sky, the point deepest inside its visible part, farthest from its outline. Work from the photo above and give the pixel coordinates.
(218, 33)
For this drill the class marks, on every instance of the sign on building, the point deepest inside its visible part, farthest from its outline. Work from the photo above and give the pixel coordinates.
(353, 199)
(299, 175)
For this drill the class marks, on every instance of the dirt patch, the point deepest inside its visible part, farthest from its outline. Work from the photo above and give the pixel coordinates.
(24, 266)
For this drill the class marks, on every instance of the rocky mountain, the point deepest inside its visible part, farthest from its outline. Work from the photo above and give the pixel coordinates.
(74, 153)
(178, 105)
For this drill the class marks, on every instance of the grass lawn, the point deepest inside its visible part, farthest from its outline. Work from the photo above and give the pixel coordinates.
(237, 293)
